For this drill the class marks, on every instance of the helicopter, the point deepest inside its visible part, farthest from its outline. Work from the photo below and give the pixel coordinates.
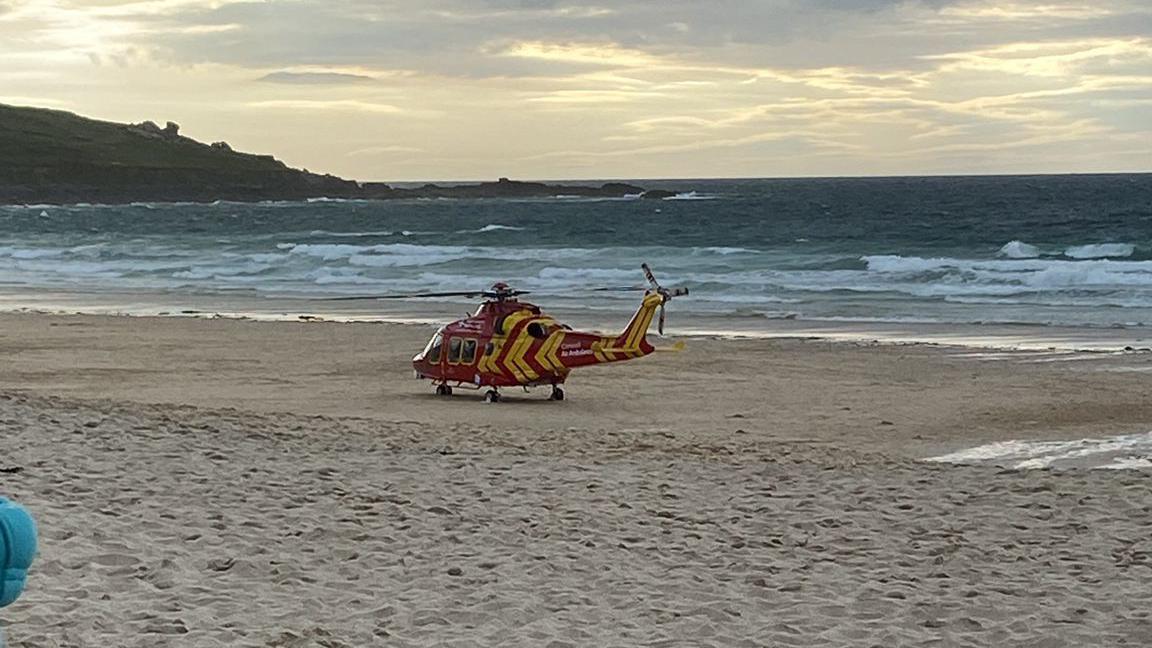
(512, 343)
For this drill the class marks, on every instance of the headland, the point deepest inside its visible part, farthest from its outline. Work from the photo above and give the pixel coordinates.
(57, 157)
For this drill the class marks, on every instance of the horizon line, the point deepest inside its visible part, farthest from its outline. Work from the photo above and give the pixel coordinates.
(784, 177)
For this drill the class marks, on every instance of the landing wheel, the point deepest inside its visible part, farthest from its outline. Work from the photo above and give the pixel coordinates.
(491, 396)
(557, 394)
(443, 390)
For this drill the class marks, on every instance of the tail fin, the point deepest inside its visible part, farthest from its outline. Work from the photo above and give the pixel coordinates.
(634, 336)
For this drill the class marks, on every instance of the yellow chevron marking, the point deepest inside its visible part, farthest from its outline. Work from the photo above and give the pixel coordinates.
(643, 320)
(607, 349)
(515, 371)
(512, 320)
(554, 354)
(635, 326)
(488, 361)
(545, 357)
(515, 359)
(631, 353)
(521, 362)
(510, 362)
(596, 346)
(499, 340)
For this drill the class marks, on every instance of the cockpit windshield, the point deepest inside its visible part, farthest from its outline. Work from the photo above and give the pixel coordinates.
(432, 351)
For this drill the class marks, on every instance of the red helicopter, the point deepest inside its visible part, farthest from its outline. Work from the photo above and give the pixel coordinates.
(510, 343)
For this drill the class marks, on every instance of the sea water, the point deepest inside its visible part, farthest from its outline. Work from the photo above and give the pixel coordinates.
(995, 250)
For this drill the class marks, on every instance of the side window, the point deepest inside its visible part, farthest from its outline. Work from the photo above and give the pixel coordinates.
(468, 352)
(454, 350)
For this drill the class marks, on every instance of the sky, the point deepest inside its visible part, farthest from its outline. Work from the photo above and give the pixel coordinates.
(555, 89)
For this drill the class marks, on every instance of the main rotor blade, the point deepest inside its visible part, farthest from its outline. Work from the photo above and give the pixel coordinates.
(660, 325)
(469, 293)
(459, 293)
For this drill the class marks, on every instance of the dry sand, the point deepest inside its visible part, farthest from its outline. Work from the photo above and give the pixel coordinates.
(210, 483)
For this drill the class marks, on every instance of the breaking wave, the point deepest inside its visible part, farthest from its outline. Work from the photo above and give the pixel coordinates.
(1022, 250)
(1100, 251)
(827, 249)
(691, 195)
(1019, 250)
(492, 228)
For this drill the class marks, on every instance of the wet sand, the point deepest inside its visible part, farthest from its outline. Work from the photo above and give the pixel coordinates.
(216, 482)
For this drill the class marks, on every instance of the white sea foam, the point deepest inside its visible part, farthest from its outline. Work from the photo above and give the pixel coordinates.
(723, 251)
(223, 271)
(30, 253)
(352, 234)
(1100, 251)
(1027, 273)
(607, 275)
(341, 276)
(1020, 284)
(345, 251)
(691, 195)
(1019, 250)
(1124, 451)
(400, 260)
(580, 198)
(324, 199)
(329, 251)
(494, 227)
(1130, 463)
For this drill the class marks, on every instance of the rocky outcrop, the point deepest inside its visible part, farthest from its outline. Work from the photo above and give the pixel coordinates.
(171, 130)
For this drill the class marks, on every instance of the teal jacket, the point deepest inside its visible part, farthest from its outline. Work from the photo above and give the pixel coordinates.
(17, 549)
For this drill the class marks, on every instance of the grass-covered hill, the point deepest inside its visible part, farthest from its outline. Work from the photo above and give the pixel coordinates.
(51, 156)
(54, 156)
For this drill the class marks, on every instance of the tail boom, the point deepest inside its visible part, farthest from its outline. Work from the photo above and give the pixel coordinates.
(634, 339)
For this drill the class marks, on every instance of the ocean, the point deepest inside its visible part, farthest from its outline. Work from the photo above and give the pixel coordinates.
(988, 250)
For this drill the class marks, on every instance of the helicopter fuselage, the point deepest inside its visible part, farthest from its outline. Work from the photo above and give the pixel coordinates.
(510, 343)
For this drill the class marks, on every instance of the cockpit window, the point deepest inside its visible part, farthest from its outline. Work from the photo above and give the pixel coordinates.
(454, 350)
(431, 352)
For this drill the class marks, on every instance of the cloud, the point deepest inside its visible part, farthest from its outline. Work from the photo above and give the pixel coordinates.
(593, 96)
(607, 54)
(679, 84)
(1050, 59)
(315, 78)
(332, 105)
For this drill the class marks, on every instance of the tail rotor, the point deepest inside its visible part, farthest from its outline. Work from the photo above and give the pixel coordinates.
(664, 293)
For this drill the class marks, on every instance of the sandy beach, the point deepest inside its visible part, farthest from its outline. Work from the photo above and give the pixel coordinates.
(209, 482)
